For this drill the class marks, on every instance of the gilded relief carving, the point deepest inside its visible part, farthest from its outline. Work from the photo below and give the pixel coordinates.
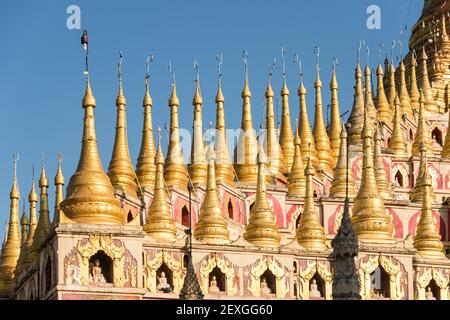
(322, 268)
(424, 275)
(153, 261)
(258, 268)
(217, 260)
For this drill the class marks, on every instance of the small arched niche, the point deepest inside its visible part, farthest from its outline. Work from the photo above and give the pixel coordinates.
(380, 284)
(130, 216)
(164, 279)
(294, 265)
(411, 135)
(185, 217)
(398, 179)
(268, 283)
(230, 209)
(217, 281)
(100, 268)
(432, 291)
(316, 288)
(436, 135)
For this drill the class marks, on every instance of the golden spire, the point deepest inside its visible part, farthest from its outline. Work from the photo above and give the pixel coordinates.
(428, 100)
(342, 171)
(175, 172)
(24, 224)
(392, 92)
(90, 194)
(335, 121)
(423, 132)
(159, 223)
(262, 230)
(405, 100)
(145, 167)
(43, 226)
(414, 90)
(25, 256)
(59, 193)
(11, 248)
(383, 108)
(286, 134)
(428, 240)
(384, 187)
(211, 226)
(356, 120)
(276, 165)
(120, 169)
(246, 150)
(417, 192)
(224, 166)
(370, 106)
(321, 140)
(198, 168)
(304, 128)
(310, 233)
(397, 141)
(297, 179)
(370, 220)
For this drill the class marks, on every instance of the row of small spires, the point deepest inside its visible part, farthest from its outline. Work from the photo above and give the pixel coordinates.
(90, 194)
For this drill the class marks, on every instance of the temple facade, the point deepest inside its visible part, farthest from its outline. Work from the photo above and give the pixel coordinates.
(263, 215)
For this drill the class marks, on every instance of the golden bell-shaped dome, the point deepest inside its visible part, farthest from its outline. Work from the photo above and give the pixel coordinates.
(405, 100)
(384, 187)
(59, 193)
(417, 193)
(384, 112)
(211, 227)
(297, 179)
(90, 194)
(397, 141)
(355, 121)
(414, 93)
(428, 99)
(391, 90)
(423, 132)
(261, 230)
(342, 171)
(335, 118)
(159, 223)
(286, 134)
(310, 233)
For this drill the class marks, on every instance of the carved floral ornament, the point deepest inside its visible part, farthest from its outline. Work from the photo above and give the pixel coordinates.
(209, 263)
(254, 282)
(392, 267)
(154, 260)
(313, 267)
(76, 263)
(424, 277)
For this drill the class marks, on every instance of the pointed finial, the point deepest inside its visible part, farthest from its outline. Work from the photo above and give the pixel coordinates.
(159, 135)
(283, 60)
(197, 97)
(245, 59)
(367, 55)
(219, 96)
(335, 63)
(400, 46)
(84, 43)
(358, 53)
(149, 59)
(119, 66)
(172, 73)
(317, 53)
(394, 43)
(300, 67)
(271, 68)
(380, 46)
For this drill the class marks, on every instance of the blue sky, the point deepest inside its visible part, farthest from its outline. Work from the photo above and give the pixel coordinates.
(42, 83)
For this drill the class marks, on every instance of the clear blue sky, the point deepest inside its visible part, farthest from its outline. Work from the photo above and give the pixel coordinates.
(42, 84)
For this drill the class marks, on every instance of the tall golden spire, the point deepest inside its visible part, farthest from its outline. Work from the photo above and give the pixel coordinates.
(321, 139)
(59, 193)
(224, 166)
(286, 134)
(43, 226)
(310, 233)
(419, 187)
(24, 226)
(211, 227)
(369, 105)
(175, 172)
(413, 88)
(198, 168)
(356, 119)
(335, 121)
(392, 92)
(276, 165)
(120, 169)
(384, 111)
(370, 220)
(304, 128)
(423, 132)
(246, 150)
(159, 223)
(428, 240)
(261, 230)
(25, 255)
(405, 100)
(342, 171)
(297, 179)
(11, 248)
(145, 167)
(383, 185)
(90, 194)
(397, 141)
(428, 100)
